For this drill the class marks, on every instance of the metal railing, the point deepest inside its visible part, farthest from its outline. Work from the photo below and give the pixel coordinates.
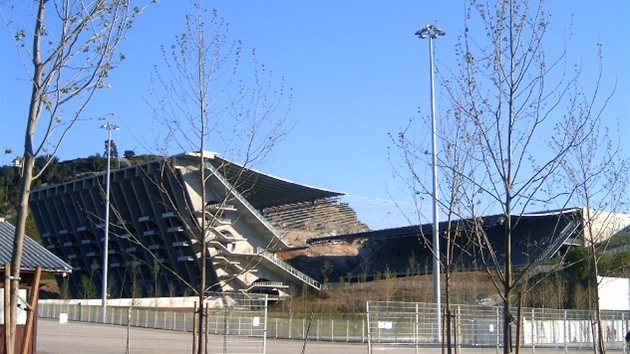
(244, 321)
(482, 326)
(238, 322)
(247, 205)
(384, 323)
(286, 266)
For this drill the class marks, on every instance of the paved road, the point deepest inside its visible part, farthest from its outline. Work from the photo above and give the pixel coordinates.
(88, 338)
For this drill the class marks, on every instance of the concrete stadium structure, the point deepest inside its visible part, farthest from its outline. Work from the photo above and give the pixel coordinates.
(156, 234)
(155, 228)
(537, 238)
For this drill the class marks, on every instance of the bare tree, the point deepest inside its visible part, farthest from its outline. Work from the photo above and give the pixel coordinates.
(203, 99)
(453, 189)
(513, 104)
(510, 96)
(73, 48)
(597, 176)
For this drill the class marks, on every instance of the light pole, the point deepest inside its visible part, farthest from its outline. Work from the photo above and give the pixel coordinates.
(109, 126)
(432, 32)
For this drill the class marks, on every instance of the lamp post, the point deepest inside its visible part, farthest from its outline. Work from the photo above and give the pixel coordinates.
(109, 126)
(432, 32)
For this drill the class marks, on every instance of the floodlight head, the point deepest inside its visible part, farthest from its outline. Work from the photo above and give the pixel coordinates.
(422, 34)
(110, 126)
(430, 31)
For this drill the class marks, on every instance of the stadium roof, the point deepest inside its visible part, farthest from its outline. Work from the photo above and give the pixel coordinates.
(262, 190)
(35, 255)
(536, 236)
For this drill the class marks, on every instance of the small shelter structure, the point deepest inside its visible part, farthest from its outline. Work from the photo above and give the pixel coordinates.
(36, 260)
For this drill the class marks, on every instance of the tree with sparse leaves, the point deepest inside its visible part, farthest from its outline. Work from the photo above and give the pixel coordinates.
(204, 98)
(513, 96)
(596, 176)
(507, 97)
(69, 53)
(453, 201)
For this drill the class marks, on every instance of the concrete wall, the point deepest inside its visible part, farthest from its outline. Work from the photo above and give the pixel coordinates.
(604, 225)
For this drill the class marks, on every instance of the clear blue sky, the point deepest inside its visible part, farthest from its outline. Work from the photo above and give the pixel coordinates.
(357, 73)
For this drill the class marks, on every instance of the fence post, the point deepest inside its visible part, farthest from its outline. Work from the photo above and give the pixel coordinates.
(624, 329)
(566, 333)
(362, 331)
(497, 326)
(458, 326)
(332, 329)
(534, 336)
(369, 338)
(347, 330)
(194, 327)
(290, 324)
(127, 349)
(265, 328)
(416, 330)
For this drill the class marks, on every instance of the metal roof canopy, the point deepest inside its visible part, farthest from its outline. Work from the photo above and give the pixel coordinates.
(262, 190)
(34, 254)
(426, 230)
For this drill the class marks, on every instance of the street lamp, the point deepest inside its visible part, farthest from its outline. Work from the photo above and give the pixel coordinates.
(432, 32)
(109, 126)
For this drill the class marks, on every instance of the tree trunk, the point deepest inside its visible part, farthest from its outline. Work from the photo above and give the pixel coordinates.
(18, 245)
(27, 174)
(507, 284)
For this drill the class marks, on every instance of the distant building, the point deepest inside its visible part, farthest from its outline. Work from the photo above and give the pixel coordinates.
(478, 243)
(155, 228)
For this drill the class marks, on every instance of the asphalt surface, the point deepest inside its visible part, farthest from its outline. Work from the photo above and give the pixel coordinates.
(82, 337)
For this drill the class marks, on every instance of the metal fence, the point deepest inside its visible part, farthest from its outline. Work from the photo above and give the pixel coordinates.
(481, 326)
(240, 321)
(385, 323)
(349, 328)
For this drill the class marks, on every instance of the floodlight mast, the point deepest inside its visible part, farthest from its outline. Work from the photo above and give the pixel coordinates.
(432, 32)
(109, 126)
